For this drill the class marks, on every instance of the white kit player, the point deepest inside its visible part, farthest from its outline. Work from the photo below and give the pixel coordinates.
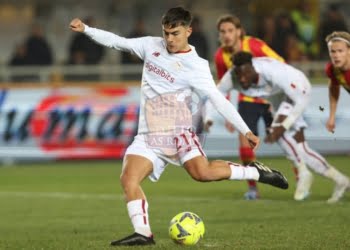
(172, 71)
(288, 91)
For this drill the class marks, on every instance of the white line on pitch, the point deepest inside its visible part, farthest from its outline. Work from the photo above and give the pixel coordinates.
(109, 197)
(63, 195)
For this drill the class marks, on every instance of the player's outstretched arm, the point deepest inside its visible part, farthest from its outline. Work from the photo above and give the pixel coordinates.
(77, 25)
(334, 92)
(229, 112)
(253, 140)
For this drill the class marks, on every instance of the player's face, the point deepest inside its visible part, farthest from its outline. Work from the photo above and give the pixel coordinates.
(246, 75)
(229, 35)
(177, 38)
(339, 53)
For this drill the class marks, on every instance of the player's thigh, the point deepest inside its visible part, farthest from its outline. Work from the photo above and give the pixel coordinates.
(138, 161)
(196, 166)
(136, 168)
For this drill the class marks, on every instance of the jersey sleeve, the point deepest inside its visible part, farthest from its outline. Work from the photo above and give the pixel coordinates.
(206, 87)
(226, 84)
(259, 48)
(330, 74)
(295, 85)
(111, 40)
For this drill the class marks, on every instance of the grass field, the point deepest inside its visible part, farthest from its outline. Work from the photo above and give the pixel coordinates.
(79, 205)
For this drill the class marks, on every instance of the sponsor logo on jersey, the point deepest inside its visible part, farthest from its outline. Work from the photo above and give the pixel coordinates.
(159, 71)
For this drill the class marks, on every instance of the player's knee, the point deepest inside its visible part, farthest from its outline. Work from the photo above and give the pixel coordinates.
(125, 180)
(198, 169)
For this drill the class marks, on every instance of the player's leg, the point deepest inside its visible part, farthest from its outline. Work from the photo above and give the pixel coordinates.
(250, 113)
(304, 181)
(138, 164)
(200, 169)
(311, 158)
(135, 169)
(247, 155)
(268, 120)
(319, 164)
(289, 143)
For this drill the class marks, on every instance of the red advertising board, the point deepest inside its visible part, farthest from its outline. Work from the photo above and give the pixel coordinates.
(68, 122)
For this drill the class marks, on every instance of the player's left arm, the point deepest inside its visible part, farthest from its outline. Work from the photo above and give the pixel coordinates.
(205, 85)
(333, 95)
(298, 92)
(225, 85)
(230, 113)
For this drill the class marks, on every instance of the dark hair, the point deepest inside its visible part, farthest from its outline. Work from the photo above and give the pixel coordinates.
(241, 58)
(177, 16)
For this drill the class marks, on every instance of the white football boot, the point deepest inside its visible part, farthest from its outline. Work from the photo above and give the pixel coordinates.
(342, 183)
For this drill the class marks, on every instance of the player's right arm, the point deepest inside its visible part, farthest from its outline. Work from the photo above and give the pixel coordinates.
(333, 93)
(108, 39)
(77, 25)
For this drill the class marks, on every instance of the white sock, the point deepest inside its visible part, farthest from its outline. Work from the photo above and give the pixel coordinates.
(239, 172)
(138, 213)
(333, 174)
(313, 159)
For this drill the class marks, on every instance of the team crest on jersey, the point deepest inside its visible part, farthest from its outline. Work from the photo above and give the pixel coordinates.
(156, 53)
(178, 65)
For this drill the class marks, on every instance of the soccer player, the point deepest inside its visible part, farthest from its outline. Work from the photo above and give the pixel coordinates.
(172, 70)
(337, 70)
(233, 40)
(288, 91)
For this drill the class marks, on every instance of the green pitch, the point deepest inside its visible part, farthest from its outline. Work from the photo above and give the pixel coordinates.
(79, 205)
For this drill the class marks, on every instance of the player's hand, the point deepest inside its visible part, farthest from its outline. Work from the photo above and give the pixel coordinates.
(330, 125)
(77, 25)
(253, 140)
(207, 125)
(229, 126)
(275, 134)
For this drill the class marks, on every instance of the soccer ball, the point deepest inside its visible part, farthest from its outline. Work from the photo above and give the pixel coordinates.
(186, 228)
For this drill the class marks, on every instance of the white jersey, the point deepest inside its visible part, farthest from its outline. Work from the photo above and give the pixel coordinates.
(276, 81)
(168, 81)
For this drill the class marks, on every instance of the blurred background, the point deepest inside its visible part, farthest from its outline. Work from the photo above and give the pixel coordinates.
(64, 97)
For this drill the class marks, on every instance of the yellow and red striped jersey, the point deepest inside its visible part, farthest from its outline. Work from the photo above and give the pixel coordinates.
(253, 45)
(338, 77)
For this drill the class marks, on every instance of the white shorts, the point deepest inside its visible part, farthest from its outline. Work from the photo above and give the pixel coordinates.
(284, 109)
(187, 147)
